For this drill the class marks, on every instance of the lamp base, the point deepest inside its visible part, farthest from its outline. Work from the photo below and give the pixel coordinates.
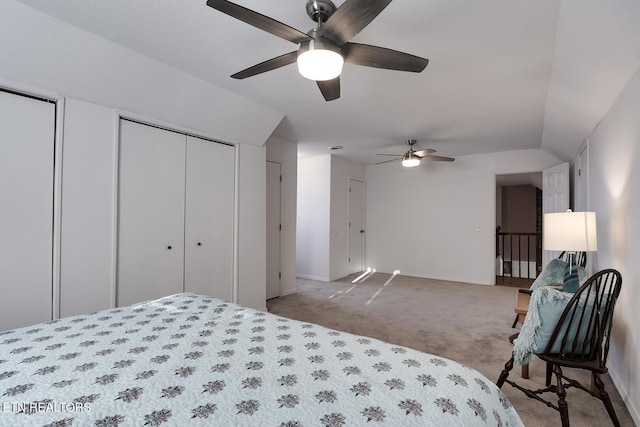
(570, 280)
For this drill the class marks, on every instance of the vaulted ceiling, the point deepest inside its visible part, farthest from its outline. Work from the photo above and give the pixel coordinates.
(502, 75)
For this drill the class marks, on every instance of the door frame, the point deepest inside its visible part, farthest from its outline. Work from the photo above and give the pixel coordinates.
(581, 179)
(58, 102)
(496, 267)
(363, 235)
(281, 208)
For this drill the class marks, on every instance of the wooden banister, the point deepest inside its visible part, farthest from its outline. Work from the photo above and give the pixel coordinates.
(517, 247)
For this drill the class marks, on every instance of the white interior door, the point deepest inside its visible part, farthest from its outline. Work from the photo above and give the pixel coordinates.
(151, 213)
(209, 209)
(581, 180)
(555, 198)
(273, 229)
(356, 226)
(26, 189)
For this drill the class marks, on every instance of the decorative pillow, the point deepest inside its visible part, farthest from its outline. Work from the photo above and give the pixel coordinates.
(545, 309)
(554, 273)
(570, 280)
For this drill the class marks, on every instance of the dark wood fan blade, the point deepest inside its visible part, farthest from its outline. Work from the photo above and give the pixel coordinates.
(350, 18)
(271, 64)
(387, 161)
(259, 20)
(330, 89)
(423, 153)
(381, 57)
(438, 158)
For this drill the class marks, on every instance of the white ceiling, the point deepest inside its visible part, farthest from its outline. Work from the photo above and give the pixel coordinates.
(503, 74)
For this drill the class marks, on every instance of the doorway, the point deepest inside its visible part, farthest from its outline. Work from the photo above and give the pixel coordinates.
(518, 238)
(356, 226)
(274, 228)
(552, 195)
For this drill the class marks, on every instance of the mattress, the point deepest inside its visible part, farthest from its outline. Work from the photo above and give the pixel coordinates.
(193, 360)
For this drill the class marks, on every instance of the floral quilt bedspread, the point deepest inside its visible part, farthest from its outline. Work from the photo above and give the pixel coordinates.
(192, 360)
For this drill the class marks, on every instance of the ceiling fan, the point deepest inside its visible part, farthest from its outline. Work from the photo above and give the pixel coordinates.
(324, 49)
(412, 157)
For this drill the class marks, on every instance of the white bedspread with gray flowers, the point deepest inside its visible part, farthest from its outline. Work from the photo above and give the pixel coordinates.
(191, 360)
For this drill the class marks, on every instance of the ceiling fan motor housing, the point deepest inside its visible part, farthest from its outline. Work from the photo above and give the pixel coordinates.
(320, 10)
(316, 43)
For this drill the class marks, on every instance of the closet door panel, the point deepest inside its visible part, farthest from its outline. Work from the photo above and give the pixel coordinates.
(209, 213)
(27, 132)
(151, 213)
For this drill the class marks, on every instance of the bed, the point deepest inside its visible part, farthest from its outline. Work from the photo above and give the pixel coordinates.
(192, 360)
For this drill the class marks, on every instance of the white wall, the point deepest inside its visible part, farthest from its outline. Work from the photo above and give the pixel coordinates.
(286, 153)
(313, 232)
(100, 80)
(323, 216)
(87, 273)
(44, 52)
(341, 171)
(252, 227)
(614, 194)
(438, 220)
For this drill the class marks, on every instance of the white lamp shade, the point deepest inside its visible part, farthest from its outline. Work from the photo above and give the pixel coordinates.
(570, 231)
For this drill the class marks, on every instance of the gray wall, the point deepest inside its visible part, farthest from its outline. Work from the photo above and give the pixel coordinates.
(438, 220)
(614, 194)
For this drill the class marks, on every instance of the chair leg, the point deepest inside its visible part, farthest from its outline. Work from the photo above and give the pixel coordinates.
(604, 396)
(562, 403)
(515, 321)
(549, 373)
(505, 372)
(524, 371)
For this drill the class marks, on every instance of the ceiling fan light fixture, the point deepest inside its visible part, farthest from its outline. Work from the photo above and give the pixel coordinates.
(319, 60)
(410, 161)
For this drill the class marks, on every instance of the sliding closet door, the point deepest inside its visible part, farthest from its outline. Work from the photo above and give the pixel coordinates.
(151, 213)
(27, 132)
(209, 218)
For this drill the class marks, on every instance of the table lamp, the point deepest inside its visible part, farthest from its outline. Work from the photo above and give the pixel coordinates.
(570, 232)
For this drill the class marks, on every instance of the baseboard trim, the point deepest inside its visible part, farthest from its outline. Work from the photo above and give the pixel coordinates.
(633, 411)
(305, 276)
(288, 292)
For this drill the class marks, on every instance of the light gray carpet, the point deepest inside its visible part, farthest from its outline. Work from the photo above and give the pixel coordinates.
(467, 323)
